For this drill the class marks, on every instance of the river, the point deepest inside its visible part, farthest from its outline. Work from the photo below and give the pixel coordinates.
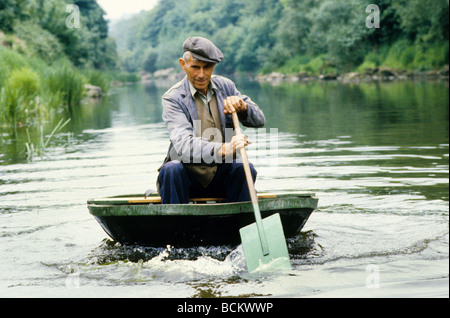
(376, 155)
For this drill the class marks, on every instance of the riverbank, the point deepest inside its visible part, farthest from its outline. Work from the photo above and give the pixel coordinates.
(33, 91)
(370, 74)
(168, 77)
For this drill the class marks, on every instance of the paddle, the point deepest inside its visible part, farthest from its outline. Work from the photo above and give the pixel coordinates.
(263, 242)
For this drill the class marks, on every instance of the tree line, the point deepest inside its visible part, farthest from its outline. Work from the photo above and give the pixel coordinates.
(38, 28)
(289, 35)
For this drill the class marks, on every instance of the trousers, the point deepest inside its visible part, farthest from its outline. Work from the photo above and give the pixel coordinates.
(177, 184)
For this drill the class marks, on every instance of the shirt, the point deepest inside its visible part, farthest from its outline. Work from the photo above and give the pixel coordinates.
(209, 93)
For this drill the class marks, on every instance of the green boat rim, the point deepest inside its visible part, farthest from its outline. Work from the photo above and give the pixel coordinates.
(117, 199)
(115, 206)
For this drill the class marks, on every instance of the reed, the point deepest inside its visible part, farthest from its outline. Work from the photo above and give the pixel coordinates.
(68, 83)
(40, 148)
(31, 90)
(18, 96)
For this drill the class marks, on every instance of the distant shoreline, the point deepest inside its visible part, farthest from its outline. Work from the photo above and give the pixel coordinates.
(369, 75)
(274, 78)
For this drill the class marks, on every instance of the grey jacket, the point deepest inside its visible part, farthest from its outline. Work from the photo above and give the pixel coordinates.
(180, 116)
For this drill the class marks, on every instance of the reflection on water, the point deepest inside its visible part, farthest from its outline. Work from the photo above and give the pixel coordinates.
(376, 155)
(393, 113)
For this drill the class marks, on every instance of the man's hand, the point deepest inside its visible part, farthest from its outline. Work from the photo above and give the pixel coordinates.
(236, 143)
(232, 103)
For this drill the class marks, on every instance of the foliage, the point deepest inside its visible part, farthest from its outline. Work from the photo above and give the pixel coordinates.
(42, 25)
(44, 64)
(31, 91)
(424, 20)
(124, 77)
(68, 83)
(18, 95)
(10, 60)
(39, 42)
(267, 35)
(404, 54)
(9, 11)
(41, 58)
(97, 78)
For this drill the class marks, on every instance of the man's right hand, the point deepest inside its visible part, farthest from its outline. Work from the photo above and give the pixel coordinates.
(236, 143)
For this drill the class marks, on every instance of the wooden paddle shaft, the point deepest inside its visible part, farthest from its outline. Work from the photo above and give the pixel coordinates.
(247, 170)
(251, 188)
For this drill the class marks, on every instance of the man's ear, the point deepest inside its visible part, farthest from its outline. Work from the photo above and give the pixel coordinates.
(182, 64)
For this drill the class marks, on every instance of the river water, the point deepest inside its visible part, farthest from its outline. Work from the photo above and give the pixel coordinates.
(376, 155)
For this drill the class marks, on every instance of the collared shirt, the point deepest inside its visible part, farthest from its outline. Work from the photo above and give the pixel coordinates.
(209, 93)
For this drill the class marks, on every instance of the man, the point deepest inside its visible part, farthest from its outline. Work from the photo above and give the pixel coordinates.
(201, 161)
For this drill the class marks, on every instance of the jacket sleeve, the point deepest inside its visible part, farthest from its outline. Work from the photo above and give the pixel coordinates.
(187, 148)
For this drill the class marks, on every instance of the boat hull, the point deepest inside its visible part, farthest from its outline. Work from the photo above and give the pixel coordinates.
(198, 224)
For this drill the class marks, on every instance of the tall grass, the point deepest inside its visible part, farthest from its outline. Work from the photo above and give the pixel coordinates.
(18, 96)
(97, 78)
(401, 55)
(33, 93)
(312, 65)
(34, 90)
(404, 55)
(31, 90)
(68, 83)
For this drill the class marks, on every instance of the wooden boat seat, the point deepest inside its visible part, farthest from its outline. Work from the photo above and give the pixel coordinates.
(157, 199)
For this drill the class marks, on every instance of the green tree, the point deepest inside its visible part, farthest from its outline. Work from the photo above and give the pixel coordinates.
(10, 11)
(270, 34)
(424, 20)
(150, 62)
(339, 29)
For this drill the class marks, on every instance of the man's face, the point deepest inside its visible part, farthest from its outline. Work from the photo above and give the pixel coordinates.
(198, 73)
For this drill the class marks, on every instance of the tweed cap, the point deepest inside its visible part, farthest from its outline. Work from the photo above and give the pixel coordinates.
(202, 49)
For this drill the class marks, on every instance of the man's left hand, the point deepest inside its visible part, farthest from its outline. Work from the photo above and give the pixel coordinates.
(233, 103)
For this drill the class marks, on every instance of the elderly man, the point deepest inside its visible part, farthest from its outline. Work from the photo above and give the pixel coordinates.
(201, 161)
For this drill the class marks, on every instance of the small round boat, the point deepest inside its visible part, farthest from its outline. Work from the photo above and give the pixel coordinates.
(134, 219)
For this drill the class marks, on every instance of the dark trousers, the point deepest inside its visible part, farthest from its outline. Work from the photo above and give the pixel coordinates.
(178, 185)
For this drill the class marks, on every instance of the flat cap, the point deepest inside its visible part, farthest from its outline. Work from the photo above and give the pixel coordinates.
(203, 49)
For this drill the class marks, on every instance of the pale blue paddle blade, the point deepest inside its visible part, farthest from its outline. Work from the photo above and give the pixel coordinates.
(278, 256)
